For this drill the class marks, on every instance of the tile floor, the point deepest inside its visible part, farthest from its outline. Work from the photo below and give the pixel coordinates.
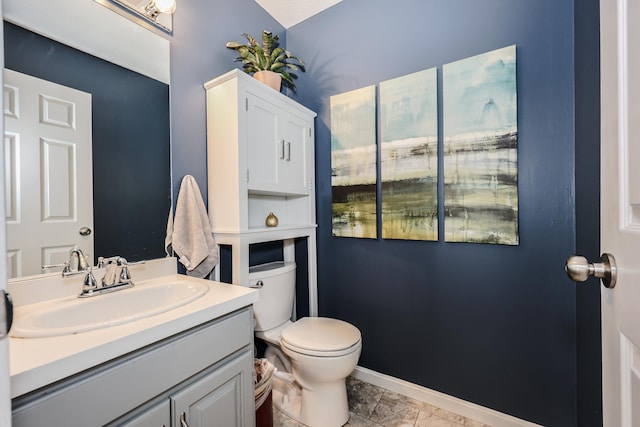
(372, 406)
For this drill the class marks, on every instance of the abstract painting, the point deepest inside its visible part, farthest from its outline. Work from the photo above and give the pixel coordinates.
(353, 163)
(409, 156)
(480, 148)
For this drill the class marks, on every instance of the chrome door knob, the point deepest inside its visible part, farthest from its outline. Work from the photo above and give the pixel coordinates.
(579, 269)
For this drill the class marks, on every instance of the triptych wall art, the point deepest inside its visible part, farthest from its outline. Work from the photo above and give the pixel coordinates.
(478, 151)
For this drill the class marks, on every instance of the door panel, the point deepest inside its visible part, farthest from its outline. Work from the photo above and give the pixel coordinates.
(620, 210)
(264, 147)
(47, 147)
(295, 165)
(220, 398)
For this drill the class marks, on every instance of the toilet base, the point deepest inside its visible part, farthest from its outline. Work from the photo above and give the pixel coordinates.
(288, 397)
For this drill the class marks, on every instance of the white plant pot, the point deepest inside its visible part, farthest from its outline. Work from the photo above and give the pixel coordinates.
(270, 78)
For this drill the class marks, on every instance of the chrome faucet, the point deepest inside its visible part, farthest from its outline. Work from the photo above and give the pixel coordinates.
(67, 267)
(116, 276)
(117, 273)
(82, 260)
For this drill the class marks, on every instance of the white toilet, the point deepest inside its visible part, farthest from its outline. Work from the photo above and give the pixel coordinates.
(319, 352)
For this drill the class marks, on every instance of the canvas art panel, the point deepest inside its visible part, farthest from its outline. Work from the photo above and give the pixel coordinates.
(480, 149)
(409, 156)
(353, 163)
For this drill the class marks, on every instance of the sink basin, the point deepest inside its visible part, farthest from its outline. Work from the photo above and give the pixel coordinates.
(74, 315)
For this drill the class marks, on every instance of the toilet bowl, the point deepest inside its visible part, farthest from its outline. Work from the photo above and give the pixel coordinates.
(318, 352)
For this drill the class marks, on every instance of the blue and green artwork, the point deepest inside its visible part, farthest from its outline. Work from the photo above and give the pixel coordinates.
(353, 163)
(480, 149)
(409, 156)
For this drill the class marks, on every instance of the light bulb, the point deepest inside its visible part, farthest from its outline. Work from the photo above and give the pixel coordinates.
(165, 6)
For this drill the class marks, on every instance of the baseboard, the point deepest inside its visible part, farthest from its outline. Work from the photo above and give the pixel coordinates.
(441, 400)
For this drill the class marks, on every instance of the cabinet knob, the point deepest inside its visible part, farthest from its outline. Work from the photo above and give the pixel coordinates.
(183, 420)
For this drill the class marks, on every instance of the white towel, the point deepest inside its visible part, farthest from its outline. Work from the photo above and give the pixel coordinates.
(192, 239)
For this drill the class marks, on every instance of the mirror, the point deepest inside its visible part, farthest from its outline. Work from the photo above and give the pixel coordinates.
(130, 140)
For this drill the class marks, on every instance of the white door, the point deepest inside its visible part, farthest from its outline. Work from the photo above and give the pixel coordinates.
(48, 173)
(620, 209)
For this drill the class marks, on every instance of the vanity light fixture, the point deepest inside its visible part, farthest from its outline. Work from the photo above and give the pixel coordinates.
(151, 14)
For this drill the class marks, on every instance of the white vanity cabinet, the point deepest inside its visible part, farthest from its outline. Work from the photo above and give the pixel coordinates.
(260, 159)
(201, 377)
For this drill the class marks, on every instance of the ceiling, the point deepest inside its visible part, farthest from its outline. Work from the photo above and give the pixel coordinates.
(291, 12)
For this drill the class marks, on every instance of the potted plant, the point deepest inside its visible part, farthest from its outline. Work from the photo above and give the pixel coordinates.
(268, 63)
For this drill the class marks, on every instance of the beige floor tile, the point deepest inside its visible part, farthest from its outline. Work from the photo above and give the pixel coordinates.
(391, 412)
(281, 420)
(363, 397)
(357, 421)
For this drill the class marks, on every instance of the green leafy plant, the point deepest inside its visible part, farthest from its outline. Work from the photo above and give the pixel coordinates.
(268, 57)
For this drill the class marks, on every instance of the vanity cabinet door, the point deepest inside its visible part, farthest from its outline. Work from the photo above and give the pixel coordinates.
(223, 398)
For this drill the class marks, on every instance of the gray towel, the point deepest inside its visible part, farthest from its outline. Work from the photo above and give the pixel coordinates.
(192, 239)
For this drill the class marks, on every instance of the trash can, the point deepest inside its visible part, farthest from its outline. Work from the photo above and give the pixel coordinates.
(263, 371)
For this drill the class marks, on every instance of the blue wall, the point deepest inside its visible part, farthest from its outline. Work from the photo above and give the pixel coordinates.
(499, 326)
(201, 29)
(587, 205)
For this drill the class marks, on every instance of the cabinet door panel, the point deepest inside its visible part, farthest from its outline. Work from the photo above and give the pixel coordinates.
(223, 398)
(264, 146)
(294, 171)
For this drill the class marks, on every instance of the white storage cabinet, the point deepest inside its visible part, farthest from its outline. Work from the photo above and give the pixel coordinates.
(260, 159)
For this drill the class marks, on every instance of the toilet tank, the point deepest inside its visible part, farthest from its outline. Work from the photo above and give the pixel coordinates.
(276, 293)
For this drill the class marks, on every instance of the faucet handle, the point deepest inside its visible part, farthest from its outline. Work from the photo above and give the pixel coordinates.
(66, 268)
(115, 260)
(89, 283)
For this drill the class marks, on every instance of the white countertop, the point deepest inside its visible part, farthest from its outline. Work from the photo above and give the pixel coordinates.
(37, 362)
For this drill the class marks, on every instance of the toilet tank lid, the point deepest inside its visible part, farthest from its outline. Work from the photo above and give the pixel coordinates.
(270, 269)
(321, 334)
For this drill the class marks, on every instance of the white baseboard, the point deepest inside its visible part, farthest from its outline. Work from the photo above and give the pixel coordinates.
(441, 400)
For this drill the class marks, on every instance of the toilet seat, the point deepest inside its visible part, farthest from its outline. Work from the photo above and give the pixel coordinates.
(273, 336)
(321, 336)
